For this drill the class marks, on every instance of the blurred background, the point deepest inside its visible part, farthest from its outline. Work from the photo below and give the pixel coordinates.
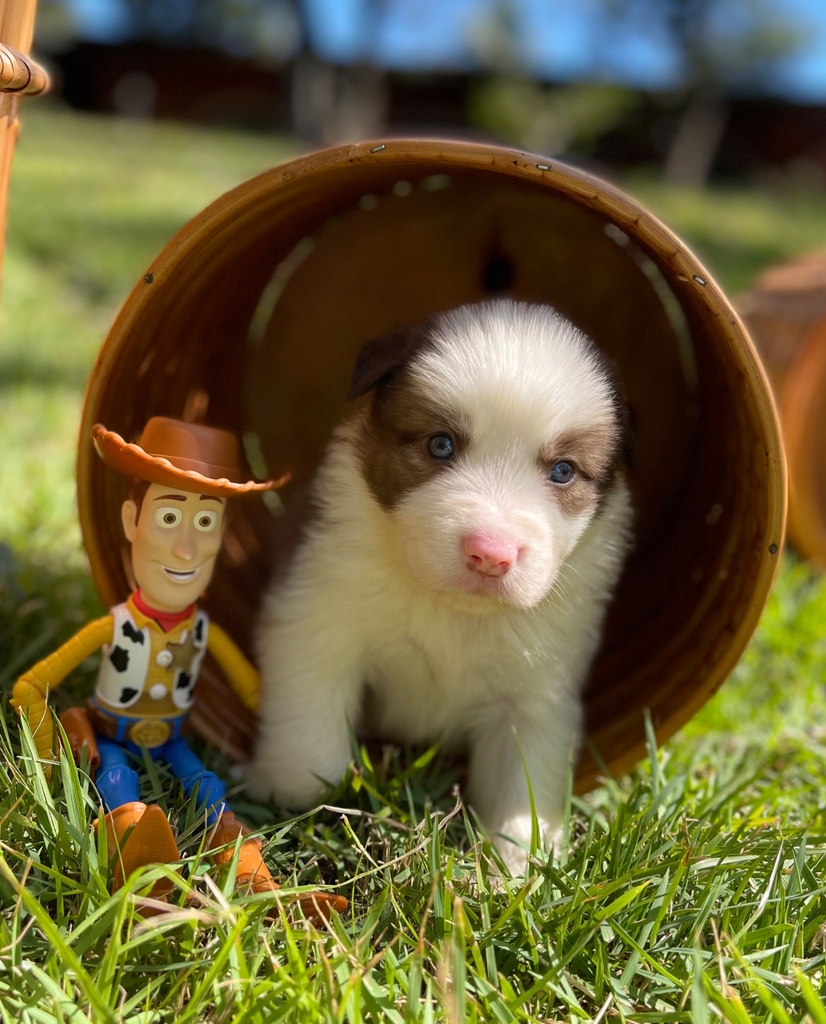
(695, 88)
(712, 113)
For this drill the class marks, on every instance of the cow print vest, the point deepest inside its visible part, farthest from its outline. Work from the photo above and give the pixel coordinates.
(132, 658)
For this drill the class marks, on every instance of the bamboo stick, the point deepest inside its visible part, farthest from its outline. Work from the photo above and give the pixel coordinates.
(16, 31)
(20, 74)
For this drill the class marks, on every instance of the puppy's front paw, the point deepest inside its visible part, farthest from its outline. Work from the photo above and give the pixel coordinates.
(259, 780)
(267, 780)
(514, 857)
(513, 841)
(259, 785)
(296, 790)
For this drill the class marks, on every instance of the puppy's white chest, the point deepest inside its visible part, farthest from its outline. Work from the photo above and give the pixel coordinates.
(435, 681)
(410, 697)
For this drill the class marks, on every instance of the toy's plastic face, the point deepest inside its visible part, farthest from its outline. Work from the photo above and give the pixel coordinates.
(175, 540)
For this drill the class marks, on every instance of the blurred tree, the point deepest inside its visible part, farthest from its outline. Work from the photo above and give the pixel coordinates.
(331, 103)
(720, 46)
(554, 120)
(55, 26)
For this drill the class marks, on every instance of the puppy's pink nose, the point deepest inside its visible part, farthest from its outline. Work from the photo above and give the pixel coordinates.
(489, 555)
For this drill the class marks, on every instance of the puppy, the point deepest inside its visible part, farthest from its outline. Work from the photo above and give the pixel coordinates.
(470, 526)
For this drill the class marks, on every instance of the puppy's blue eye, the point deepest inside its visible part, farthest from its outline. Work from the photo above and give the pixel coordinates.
(440, 446)
(561, 473)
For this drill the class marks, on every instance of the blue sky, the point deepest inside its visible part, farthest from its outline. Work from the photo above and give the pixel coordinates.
(560, 39)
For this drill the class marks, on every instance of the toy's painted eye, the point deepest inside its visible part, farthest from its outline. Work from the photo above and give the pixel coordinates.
(561, 473)
(440, 446)
(167, 517)
(206, 521)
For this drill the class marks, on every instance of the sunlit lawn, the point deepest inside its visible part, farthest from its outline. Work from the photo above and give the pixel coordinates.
(693, 889)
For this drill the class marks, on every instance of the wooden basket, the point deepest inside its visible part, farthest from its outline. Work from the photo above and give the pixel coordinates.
(786, 313)
(252, 316)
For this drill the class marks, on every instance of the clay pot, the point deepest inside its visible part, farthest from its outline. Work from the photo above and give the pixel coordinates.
(786, 314)
(252, 316)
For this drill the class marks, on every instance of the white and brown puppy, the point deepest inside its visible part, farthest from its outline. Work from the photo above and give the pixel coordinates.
(470, 526)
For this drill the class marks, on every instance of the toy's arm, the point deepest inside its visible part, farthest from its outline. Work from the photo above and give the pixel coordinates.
(31, 691)
(241, 675)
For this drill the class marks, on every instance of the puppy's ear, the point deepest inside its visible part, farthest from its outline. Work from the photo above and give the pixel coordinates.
(628, 447)
(380, 359)
(625, 414)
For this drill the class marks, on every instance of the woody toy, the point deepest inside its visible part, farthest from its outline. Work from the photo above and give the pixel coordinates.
(182, 476)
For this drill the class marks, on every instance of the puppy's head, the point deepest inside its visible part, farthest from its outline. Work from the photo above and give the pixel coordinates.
(493, 436)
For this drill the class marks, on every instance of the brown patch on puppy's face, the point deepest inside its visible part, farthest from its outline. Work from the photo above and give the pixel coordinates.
(596, 455)
(394, 436)
(401, 419)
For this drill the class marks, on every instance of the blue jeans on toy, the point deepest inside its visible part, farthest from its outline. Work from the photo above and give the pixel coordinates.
(118, 782)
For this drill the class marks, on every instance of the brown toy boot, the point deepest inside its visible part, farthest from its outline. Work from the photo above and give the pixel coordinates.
(254, 875)
(140, 836)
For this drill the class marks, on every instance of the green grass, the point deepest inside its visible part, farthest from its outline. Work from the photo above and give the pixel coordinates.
(691, 890)
(737, 231)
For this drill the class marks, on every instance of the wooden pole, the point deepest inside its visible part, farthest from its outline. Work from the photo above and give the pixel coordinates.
(18, 75)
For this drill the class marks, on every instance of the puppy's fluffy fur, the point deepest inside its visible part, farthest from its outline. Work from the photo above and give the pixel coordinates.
(456, 590)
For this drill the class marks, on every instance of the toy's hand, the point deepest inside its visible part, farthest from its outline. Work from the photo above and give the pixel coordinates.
(81, 735)
(30, 693)
(30, 698)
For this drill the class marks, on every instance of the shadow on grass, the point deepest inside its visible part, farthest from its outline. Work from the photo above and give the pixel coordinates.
(42, 604)
(29, 371)
(388, 800)
(102, 255)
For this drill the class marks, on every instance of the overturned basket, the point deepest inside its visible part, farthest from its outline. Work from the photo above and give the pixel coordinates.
(252, 316)
(786, 314)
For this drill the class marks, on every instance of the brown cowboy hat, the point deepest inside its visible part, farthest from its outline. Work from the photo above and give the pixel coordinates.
(191, 456)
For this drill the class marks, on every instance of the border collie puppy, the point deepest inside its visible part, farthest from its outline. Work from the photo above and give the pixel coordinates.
(470, 525)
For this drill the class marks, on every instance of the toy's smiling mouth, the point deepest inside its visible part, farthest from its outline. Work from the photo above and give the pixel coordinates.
(181, 575)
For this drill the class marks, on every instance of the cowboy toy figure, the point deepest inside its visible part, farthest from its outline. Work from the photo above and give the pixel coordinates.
(153, 644)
